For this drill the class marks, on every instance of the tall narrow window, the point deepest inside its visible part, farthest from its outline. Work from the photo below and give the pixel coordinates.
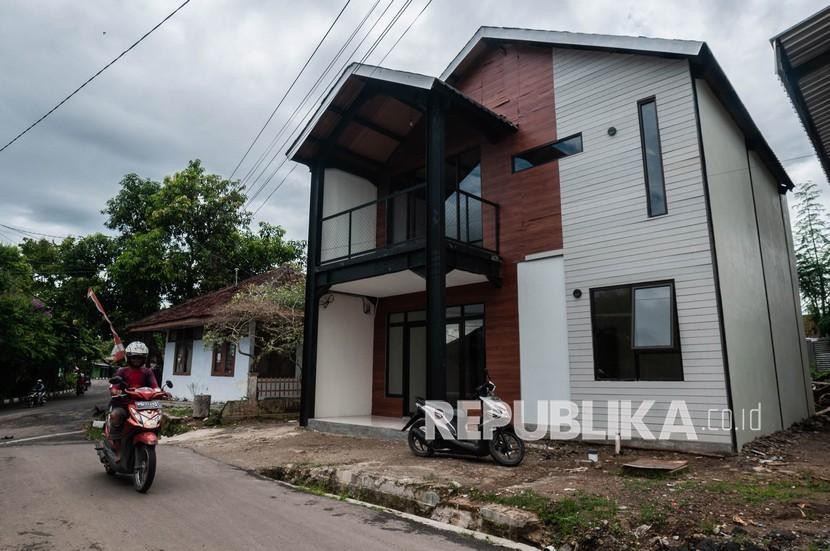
(652, 158)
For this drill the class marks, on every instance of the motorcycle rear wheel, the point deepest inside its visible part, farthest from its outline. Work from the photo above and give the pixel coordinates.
(507, 449)
(417, 444)
(144, 467)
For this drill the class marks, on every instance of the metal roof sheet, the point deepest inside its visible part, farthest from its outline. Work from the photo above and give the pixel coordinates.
(802, 60)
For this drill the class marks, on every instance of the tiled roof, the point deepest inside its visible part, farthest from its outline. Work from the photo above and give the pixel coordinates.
(196, 310)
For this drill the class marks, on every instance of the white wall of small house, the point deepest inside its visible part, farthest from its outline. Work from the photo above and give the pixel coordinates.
(220, 388)
(609, 238)
(345, 337)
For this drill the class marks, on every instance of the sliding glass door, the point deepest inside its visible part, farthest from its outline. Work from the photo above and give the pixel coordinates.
(406, 359)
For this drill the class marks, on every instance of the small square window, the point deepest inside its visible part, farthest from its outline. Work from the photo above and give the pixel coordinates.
(635, 333)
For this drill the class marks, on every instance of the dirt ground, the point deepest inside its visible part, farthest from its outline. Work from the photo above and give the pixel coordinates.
(774, 495)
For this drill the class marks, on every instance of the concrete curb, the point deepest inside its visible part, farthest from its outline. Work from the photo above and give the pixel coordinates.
(21, 399)
(438, 525)
(439, 503)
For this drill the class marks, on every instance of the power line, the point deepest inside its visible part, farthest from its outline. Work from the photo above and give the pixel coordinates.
(404, 32)
(305, 65)
(27, 233)
(90, 79)
(273, 142)
(330, 83)
(273, 191)
(307, 96)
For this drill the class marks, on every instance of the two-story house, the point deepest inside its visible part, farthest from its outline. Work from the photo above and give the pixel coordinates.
(585, 217)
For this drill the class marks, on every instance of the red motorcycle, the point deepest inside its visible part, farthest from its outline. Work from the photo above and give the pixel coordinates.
(139, 435)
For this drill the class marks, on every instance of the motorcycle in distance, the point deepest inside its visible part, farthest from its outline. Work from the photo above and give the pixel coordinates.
(505, 446)
(81, 384)
(36, 398)
(139, 434)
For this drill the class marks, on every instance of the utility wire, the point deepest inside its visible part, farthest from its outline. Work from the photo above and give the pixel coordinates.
(27, 233)
(311, 91)
(293, 168)
(90, 79)
(331, 82)
(282, 99)
(273, 142)
(309, 111)
(404, 32)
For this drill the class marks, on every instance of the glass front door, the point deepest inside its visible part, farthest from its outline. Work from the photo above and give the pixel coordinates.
(465, 351)
(406, 367)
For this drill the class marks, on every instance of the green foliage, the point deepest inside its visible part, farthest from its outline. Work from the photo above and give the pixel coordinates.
(174, 240)
(185, 237)
(27, 337)
(812, 251)
(567, 516)
(776, 490)
(276, 307)
(651, 514)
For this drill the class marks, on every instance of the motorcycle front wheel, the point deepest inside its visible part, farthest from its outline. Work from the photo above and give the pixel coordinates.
(507, 449)
(417, 442)
(144, 467)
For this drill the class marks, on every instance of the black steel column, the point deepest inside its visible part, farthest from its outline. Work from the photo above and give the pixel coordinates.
(436, 253)
(309, 368)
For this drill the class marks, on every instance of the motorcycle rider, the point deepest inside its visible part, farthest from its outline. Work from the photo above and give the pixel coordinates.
(39, 386)
(136, 374)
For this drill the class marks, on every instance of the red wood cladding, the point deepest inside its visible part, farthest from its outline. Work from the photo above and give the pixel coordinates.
(517, 82)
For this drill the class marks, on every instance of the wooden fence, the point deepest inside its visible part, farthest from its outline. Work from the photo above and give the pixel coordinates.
(285, 390)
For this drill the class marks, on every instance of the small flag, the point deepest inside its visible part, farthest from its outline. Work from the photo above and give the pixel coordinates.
(118, 347)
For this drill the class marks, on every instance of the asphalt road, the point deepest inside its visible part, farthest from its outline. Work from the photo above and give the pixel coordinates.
(58, 415)
(57, 496)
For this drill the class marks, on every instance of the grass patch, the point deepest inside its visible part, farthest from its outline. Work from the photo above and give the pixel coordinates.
(178, 411)
(92, 433)
(316, 488)
(651, 514)
(568, 516)
(706, 525)
(759, 492)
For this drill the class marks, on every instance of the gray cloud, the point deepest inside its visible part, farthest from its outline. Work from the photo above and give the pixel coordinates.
(201, 86)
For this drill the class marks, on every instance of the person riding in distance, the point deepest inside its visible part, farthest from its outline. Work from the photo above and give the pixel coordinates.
(135, 375)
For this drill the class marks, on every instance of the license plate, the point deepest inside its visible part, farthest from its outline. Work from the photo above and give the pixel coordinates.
(148, 405)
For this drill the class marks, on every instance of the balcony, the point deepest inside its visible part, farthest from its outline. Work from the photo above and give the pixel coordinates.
(398, 222)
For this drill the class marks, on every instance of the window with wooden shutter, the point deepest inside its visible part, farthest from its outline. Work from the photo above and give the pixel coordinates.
(224, 360)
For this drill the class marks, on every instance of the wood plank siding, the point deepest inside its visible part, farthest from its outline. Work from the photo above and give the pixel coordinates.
(516, 81)
(609, 238)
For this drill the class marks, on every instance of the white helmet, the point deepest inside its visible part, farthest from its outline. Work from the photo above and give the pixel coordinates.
(137, 348)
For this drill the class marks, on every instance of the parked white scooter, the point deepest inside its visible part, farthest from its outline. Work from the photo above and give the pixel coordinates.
(505, 446)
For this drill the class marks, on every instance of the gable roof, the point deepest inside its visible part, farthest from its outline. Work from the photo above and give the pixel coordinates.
(196, 311)
(701, 60)
(349, 85)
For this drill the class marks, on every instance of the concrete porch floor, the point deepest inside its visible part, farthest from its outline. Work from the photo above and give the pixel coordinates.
(366, 426)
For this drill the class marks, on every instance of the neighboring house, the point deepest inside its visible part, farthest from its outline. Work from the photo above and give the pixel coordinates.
(803, 64)
(226, 371)
(586, 217)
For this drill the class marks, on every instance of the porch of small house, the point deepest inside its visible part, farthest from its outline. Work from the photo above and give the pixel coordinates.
(364, 426)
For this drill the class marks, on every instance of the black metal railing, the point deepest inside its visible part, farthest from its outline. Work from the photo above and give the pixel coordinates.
(472, 220)
(401, 217)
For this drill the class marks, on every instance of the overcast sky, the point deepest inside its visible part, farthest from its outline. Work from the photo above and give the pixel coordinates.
(203, 84)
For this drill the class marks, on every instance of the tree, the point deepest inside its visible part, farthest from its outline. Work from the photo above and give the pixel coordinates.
(188, 236)
(276, 307)
(812, 251)
(27, 338)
